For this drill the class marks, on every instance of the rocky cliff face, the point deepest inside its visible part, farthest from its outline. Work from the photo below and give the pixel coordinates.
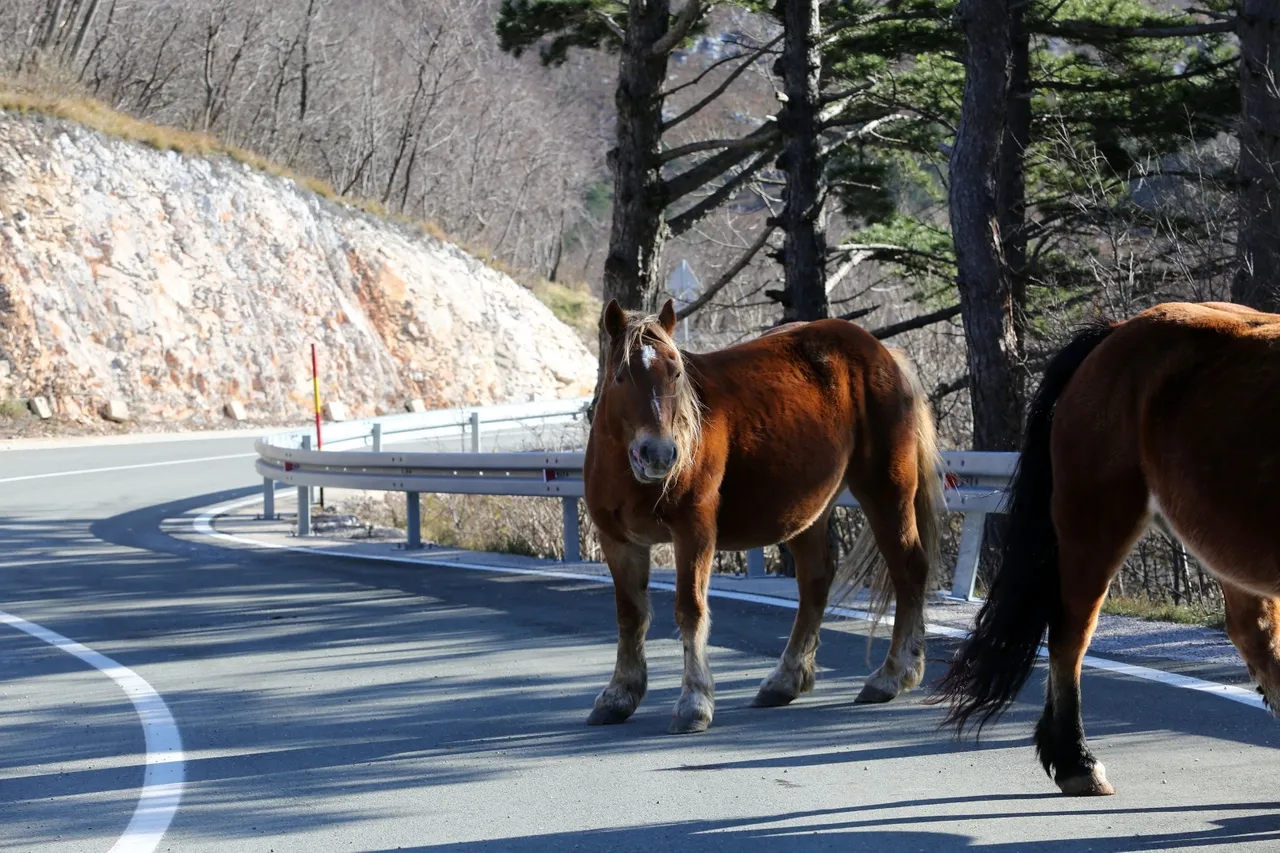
(178, 284)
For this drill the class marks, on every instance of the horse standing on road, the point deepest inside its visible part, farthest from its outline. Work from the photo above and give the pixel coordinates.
(750, 446)
(1175, 411)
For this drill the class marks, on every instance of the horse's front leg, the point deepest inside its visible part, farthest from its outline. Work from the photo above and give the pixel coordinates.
(695, 548)
(629, 565)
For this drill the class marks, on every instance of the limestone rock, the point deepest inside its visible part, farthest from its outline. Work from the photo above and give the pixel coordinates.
(39, 407)
(187, 282)
(116, 411)
(335, 411)
(234, 409)
(416, 405)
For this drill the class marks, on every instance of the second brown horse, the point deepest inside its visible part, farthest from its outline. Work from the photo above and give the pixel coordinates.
(750, 446)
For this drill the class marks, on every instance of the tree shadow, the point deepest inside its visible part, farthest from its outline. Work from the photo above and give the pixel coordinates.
(307, 686)
(815, 830)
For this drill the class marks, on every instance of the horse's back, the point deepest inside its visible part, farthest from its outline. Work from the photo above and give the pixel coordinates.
(1186, 397)
(787, 410)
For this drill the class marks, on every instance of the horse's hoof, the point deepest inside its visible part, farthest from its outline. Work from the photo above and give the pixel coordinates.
(688, 725)
(1093, 784)
(770, 698)
(604, 715)
(873, 695)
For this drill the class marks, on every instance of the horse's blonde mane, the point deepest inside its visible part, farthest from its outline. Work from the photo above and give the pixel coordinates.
(686, 420)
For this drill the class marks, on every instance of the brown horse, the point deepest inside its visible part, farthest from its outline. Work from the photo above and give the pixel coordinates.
(750, 446)
(1177, 412)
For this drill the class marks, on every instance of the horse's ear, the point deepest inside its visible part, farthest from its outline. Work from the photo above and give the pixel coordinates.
(615, 319)
(667, 317)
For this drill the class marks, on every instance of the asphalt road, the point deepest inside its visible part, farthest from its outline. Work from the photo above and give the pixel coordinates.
(326, 704)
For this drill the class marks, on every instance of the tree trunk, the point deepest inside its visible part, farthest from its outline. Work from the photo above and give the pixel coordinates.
(986, 296)
(1011, 186)
(638, 229)
(1257, 280)
(804, 249)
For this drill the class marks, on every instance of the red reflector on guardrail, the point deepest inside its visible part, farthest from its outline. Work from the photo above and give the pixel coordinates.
(548, 475)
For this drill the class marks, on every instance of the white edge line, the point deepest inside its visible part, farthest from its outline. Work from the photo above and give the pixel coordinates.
(163, 778)
(124, 467)
(74, 442)
(203, 525)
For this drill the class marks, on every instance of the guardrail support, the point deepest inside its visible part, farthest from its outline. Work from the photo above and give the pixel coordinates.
(572, 553)
(304, 499)
(377, 438)
(413, 504)
(755, 563)
(268, 498)
(966, 574)
(475, 432)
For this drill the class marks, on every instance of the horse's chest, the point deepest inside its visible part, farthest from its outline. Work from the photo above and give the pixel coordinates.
(644, 526)
(635, 521)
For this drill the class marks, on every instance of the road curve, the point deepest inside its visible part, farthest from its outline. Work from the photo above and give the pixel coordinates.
(329, 704)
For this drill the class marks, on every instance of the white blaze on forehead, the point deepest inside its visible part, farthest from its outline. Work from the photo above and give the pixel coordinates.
(647, 355)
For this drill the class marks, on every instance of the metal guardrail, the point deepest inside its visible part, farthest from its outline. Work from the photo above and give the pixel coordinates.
(976, 481)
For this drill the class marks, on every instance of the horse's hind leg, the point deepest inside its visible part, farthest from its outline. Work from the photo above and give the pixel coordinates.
(629, 565)
(1253, 624)
(1094, 535)
(891, 515)
(814, 572)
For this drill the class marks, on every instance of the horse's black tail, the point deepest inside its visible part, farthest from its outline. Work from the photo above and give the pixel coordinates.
(996, 659)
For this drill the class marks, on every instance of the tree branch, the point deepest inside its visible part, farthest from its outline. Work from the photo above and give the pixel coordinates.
(708, 170)
(859, 312)
(688, 218)
(683, 23)
(876, 250)
(916, 322)
(719, 90)
(1138, 83)
(728, 275)
(689, 84)
(946, 389)
(707, 145)
(834, 29)
(1087, 29)
(618, 32)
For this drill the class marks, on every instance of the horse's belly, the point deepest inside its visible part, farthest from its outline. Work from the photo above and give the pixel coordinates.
(771, 513)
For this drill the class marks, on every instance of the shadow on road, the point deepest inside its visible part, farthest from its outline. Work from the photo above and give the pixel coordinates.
(301, 681)
(824, 830)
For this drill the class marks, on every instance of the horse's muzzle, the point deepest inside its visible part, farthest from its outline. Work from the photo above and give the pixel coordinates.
(652, 458)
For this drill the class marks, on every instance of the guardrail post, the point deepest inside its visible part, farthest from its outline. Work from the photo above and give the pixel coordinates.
(304, 499)
(377, 438)
(475, 432)
(966, 574)
(572, 554)
(413, 505)
(755, 563)
(268, 498)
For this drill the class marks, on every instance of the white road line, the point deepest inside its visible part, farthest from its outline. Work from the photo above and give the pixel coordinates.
(124, 467)
(163, 779)
(204, 526)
